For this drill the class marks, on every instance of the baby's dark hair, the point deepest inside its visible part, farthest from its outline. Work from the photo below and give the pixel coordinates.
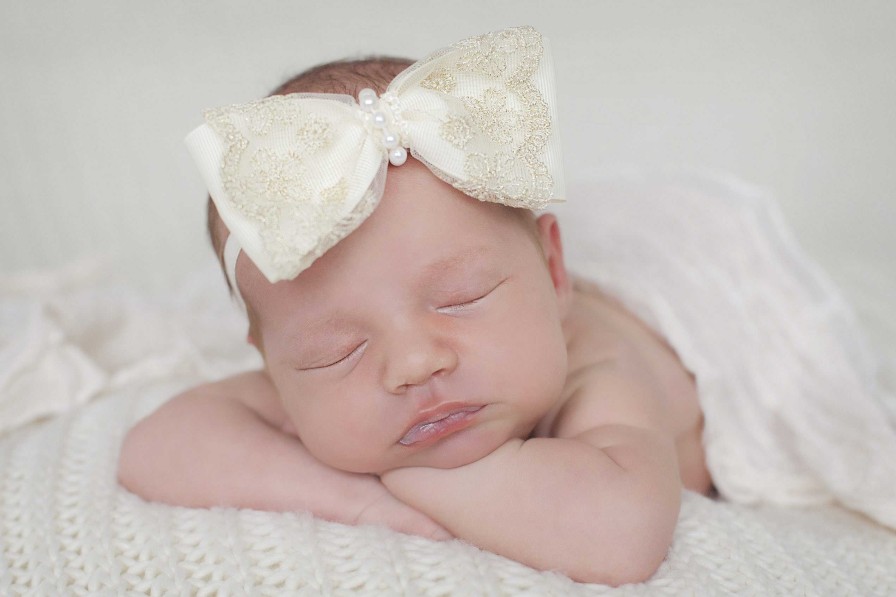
(342, 76)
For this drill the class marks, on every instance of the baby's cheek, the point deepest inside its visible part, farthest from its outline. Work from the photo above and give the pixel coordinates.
(340, 437)
(536, 340)
(533, 367)
(548, 366)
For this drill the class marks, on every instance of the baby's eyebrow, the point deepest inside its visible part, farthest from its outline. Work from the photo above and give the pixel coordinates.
(455, 261)
(319, 330)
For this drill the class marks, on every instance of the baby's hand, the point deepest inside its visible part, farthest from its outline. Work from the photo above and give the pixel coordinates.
(387, 510)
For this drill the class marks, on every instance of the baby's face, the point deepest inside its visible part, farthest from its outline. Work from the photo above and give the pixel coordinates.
(427, 337)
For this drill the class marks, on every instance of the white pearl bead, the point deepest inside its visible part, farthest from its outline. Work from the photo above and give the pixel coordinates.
(367, 98)
(390, 140)
(379, 119)
(398, 156)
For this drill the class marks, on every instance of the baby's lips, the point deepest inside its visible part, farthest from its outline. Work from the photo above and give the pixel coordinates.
(441, 425)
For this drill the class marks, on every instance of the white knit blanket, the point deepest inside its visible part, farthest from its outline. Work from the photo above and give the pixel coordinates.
(97, 358)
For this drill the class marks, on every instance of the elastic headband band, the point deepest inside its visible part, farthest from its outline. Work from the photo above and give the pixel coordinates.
(231, 254)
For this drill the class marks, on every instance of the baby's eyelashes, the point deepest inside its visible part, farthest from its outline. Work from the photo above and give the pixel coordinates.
(460, 306)
(464, 304)
(355, 352)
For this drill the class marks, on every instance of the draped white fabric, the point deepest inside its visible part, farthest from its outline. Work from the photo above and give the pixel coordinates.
(793, 412)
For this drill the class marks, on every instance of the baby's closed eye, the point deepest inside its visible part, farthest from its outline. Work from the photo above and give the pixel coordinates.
(343, 356)
(469, 299)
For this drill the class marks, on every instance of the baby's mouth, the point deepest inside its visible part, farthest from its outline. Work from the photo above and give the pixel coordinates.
(440, 425)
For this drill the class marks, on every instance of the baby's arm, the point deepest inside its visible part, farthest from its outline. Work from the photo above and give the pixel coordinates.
(222, 444)
(599, 501)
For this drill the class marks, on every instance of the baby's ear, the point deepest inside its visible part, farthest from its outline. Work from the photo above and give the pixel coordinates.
(253, 336)
(552, 246)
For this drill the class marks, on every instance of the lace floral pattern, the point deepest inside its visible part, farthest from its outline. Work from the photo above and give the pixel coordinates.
(440, 79)
(270, 183)
(457, 130)
(511, 115)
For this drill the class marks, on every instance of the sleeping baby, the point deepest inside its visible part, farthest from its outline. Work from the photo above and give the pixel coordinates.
(429, 362)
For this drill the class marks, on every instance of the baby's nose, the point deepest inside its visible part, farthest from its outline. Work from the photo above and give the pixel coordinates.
(415, 358)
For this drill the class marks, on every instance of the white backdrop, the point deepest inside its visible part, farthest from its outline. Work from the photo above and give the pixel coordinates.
(798, 97)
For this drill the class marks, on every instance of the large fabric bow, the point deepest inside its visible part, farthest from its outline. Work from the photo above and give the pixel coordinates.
(292, 175)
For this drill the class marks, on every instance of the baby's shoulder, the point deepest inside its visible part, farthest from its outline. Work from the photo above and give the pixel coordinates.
(252, 389)
(620, 368)
(598, 330)
(603, 334)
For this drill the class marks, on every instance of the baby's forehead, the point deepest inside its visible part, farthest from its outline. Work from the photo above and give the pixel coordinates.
(452, 256)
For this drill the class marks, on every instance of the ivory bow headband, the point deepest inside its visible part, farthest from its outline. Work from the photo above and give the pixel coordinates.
(293, 175)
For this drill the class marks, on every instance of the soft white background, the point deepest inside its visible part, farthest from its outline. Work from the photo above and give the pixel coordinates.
(798, 97)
